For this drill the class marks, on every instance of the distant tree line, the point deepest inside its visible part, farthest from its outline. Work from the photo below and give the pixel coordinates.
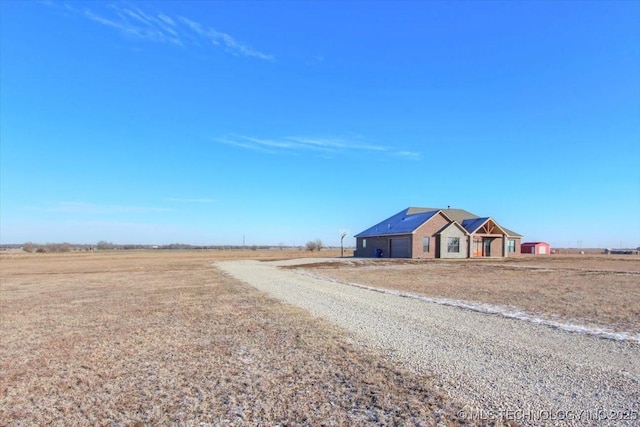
(315, 245)
(48, 247)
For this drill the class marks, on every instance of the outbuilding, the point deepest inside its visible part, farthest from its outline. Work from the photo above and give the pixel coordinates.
(535, 248)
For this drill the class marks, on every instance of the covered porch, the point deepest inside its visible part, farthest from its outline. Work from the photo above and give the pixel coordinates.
(487, 240)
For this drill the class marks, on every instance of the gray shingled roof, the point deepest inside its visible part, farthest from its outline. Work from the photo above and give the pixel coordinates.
(457, 215)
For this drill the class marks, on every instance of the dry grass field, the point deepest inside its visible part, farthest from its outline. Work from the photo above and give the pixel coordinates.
(163, 338)
(595, 290)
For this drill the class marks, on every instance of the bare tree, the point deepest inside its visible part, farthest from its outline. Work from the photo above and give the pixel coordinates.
(314, 245)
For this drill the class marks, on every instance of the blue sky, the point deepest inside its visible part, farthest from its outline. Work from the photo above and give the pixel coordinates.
(203, 122)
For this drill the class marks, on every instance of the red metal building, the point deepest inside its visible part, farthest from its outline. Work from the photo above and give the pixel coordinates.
(535, 248)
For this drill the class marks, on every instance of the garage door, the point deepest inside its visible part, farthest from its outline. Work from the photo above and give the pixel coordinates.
(400, 248)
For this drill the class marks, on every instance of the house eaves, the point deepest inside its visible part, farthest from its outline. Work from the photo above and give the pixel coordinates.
(511, 233)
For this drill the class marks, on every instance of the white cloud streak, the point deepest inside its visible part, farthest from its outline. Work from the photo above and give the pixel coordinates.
(132, 21)
(201, 201)
(324, 146)
(95, 209)
(409, 155)
(228, 43)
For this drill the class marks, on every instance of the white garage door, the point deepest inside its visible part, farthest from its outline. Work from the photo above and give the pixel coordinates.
(400, 248)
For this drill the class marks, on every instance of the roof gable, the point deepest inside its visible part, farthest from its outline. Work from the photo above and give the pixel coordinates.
(474, 225)
(453, 224)
(401, 223)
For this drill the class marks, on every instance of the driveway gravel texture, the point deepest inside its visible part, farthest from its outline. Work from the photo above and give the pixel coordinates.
(507, 368)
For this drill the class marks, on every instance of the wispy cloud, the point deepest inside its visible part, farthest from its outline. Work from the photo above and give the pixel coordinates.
(95, 209)
(132, 21)
(248, 144)
(324, 146)
(228, 43)
(180, 200)
(334, 144)
(409, 155)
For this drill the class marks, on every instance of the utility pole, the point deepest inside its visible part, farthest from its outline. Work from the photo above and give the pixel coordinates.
(343, 233)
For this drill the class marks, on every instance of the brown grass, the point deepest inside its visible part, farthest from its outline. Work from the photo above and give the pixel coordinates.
(601, 291)
(157, 338)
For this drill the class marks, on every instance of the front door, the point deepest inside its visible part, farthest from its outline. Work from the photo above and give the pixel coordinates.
(487, 247)
(477, 248)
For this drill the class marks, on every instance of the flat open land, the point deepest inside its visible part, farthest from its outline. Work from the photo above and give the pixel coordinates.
(601, 291)
(201, 338)
(165, 338)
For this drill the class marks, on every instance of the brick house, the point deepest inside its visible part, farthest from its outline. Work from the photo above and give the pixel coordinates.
(437, 233)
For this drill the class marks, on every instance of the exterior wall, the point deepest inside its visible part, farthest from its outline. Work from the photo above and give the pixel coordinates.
(438, 244)
(497, 247)
(428, 229)
(464, 242)
(528, 248)
(518, 246)
(373, 243)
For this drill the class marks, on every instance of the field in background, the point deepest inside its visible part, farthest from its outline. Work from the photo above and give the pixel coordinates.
(162, 337)
(594, 290)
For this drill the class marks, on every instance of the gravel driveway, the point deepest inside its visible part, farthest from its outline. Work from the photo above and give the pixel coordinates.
(529, 373)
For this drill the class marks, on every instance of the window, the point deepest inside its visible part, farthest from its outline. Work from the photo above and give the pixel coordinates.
(512, 246)
(364, 243)
(453, 244)
(425, 244)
